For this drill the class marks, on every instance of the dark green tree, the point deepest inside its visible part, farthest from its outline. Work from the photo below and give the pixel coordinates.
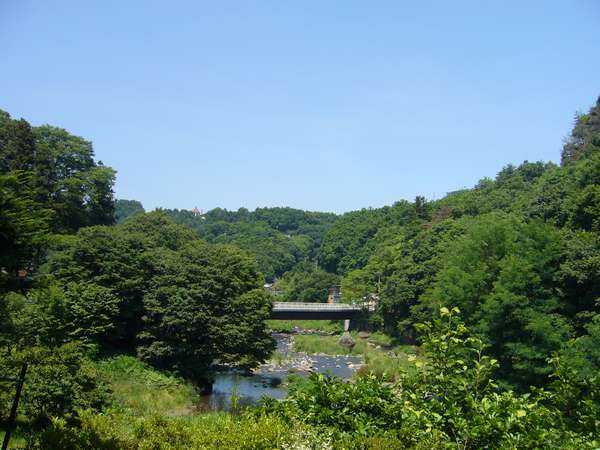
(24, 228)
(78, 188)
(306, 283)
(584, 136)
(501, 274)
(204, 304)
(127, 208)
(152, 285)
(61, 173)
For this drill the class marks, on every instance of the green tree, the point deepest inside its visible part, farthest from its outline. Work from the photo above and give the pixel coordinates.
(77, 188)
(17, 145)
(24, 228)
(152, 285)
(127, 208)
(306, 283)
(204, 304)
(61, 173)
(585, 134)
(500, 273)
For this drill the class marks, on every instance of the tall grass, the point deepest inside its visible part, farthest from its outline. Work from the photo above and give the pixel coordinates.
(287, 326)
(140, 390)
(277, 358)
(215, 431)
(310, 343)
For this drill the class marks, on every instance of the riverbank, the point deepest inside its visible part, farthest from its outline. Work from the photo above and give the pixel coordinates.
(325, 327)
(382, 356)
(137, 389)
(144, 403)
(151, 409)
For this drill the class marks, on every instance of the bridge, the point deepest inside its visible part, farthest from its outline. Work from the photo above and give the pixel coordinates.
(315, 311)
(318, 311)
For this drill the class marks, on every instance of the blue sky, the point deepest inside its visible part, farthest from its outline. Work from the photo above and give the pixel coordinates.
(324, 105)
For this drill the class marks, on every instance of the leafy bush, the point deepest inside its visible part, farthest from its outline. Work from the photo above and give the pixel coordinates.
(208, 431)
(450, 402)
(59, 381)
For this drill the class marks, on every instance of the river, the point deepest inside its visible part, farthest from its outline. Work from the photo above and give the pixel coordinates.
(270, 379)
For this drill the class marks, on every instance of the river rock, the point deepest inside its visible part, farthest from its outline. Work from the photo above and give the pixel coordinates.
(347, 341)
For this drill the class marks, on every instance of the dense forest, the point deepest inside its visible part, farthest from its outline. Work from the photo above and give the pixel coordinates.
(280, 238)
(519, 255)
(73, 284)
(499, 286)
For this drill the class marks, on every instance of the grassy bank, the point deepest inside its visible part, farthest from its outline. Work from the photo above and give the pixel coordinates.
(153, 410)
(16, 440)
(381, 354)
(206, 432)
(140, 390)
(287, 326)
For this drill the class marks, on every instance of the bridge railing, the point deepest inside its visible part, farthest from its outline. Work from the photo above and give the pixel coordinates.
(305, 306)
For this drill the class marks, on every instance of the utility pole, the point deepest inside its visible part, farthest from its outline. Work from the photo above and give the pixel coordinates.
(13, 411)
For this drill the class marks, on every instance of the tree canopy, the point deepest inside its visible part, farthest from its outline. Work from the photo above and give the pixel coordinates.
(153, 286)
(518, 254)
(125, 209)
(280, 238)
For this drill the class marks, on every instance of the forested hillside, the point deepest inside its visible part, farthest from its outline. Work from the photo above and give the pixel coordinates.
(519, 255)
(75, 287)
(280, 238)
(124, 209)
(119, 311)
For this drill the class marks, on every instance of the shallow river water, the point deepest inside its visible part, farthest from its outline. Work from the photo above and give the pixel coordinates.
(270, 379)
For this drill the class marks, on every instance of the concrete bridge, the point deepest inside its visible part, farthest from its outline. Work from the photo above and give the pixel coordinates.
(318, 311)
(314, 311)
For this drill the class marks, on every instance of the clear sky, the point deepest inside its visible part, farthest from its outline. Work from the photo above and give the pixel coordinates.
(321, 105)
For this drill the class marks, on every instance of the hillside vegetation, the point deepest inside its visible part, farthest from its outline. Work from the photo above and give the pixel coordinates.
(519, 255)
(495, 290)
(280, 238)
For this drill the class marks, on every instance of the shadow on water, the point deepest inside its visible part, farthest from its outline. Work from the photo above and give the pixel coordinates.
(233, 390)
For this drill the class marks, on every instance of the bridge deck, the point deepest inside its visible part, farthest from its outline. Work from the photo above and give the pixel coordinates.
(315, 311)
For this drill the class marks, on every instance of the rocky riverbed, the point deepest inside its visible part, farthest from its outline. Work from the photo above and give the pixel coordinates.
(270, 379)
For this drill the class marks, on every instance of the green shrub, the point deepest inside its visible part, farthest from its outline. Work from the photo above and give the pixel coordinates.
(451, 401)
(59, 380)
(216, 431)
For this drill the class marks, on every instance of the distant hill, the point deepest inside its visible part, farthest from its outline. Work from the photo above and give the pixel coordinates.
(124, 209)
(279, 237)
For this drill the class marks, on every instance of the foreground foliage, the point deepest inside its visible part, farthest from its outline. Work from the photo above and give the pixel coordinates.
(451, 401)
(60, 381)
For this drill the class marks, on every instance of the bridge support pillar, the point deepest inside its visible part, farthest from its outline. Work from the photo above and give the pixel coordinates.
(347, 325)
